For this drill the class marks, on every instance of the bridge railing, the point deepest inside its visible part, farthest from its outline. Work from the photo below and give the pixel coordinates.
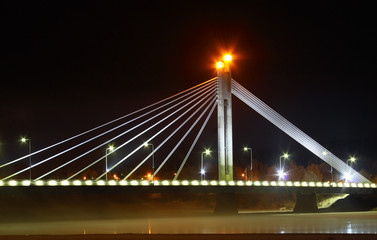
(193, 183)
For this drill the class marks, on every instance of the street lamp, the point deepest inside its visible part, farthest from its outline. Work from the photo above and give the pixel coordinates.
(110, 148)
(24, 140)
(281, 174)
(351, 160)
(251, 162)
(285, 156)
(347, 177)
(207, 152)
(146, 145)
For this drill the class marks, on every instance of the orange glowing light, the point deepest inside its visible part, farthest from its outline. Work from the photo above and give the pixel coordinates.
(149, 175)
(227, 58)
(219, 65)
(116, 177)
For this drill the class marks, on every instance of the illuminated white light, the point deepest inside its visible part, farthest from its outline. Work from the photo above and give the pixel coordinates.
(204, 183)
(112, 182)
(297, 184)
(222, 183)
(257, 183)
(265, 183)
(326, 184)
(333, 184)
(281, 183)
(156, 183)
(195, 183)
(12, 183)
(366, 185)
(340, 184)
(1, 183)
(231, 183)
(281, 173)
(39, 183)
(165, 183)
(25, 183)
(65, 183)
(77, 183)
(240, 183)
(360, 185)
(273, 183)
(347, 176)
(311, 184)
(185, 182)
(347, 185)
(373, 185)
(145, 183)
(353, 185)
(213, 183)
(176, 183)
(100, 183)
(134, 183)
(249, 183)
(289, 183)
(123, 183)
(319, 184)
(304, 184)
(52, 183)
(88, 182)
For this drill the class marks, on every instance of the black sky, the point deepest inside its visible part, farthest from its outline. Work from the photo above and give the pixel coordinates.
(69, 66)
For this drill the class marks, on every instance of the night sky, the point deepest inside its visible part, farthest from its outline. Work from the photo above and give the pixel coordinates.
(69, 66)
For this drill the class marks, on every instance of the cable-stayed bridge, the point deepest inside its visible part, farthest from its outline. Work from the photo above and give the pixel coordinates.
(178, 122)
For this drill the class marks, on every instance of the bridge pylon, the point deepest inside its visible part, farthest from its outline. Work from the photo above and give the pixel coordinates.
(224, 120)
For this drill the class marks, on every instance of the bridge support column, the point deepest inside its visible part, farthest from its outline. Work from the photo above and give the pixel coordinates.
(224, 122)
(226, 204)
(306, 203)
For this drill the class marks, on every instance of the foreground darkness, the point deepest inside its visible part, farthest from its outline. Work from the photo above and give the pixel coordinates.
(19, 206)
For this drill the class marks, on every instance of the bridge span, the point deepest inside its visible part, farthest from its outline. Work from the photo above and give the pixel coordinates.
(192, 186)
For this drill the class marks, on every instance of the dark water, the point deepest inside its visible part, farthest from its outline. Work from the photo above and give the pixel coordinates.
(351, 223)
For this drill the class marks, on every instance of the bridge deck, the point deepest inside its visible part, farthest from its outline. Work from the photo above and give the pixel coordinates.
(208, 186)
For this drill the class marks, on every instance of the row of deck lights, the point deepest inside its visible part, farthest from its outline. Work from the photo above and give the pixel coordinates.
(184, 183)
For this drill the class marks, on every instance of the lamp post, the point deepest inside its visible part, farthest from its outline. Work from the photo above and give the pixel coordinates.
(351, 161)
(251, 162)
(111, 148)
(146, 145)
(285, 156)
(207, 152)
(24, 140)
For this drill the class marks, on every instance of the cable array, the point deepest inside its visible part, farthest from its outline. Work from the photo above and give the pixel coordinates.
(145, 121)
(283, 124)
(161, 122)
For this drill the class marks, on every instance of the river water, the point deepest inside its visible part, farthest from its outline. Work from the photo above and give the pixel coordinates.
(351, 223)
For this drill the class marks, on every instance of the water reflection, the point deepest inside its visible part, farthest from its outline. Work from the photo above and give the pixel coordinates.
(364, 222)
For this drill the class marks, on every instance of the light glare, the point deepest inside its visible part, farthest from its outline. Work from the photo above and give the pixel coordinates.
(227, 58)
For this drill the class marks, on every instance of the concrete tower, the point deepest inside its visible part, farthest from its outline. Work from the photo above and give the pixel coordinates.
(224, 120)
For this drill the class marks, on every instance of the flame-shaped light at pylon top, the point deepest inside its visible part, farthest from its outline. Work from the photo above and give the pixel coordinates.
(219, 65)
(227, 58)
